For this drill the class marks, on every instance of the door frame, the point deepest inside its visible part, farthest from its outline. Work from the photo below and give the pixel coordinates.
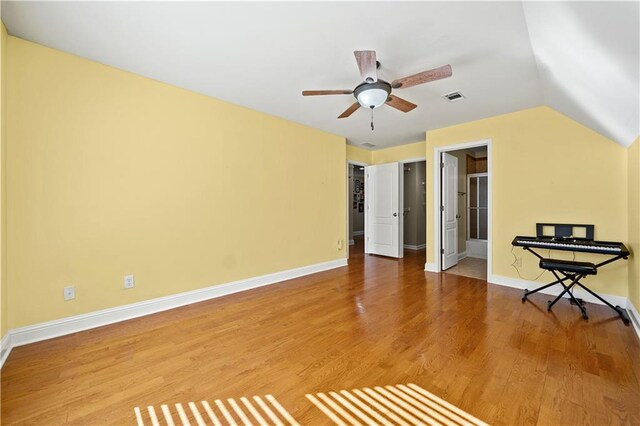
(426, 184)
(349, 201)
(437, 202)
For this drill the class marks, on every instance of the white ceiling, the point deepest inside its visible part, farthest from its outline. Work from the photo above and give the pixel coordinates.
(588, 57)
(581, 59)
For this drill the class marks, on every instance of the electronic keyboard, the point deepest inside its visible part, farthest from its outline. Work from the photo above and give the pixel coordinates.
(572, 244)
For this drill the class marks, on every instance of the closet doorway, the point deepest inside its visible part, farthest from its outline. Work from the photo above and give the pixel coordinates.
(463, 205)
(355, 206)
(414, 203)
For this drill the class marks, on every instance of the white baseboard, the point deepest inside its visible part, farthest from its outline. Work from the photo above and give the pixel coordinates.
(555, 290)
(5, 348)
(351, 242)
(47, 330)
(357, 233)
(34, 333)
(462, 255)
(634, 316)
(413, 247)
(430, 267)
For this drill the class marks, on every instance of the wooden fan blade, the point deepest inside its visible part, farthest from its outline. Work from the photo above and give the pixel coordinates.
(422, 77)
(366, 60)
(349, 110)
(400, 104)
(326, 92)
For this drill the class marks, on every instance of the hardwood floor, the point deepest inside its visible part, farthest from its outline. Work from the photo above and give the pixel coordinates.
(376, 322)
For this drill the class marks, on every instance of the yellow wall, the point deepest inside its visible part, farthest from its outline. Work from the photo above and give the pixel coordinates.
(3, 182)
(358, 154)
(387, 155)
(546, 168)
(110, 173)
(634, 223)
(399, 153)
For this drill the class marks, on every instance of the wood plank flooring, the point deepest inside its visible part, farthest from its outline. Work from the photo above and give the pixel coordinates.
(376, 322)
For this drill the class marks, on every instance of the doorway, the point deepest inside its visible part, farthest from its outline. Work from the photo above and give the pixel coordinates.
(463, 209)
(415, 203)
(386, 203)
(356, 206)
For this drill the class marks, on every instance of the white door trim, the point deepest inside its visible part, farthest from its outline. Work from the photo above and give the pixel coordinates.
(349, 201)
(437, 198)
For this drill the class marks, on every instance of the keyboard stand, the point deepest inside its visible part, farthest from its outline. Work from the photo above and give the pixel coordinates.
(574, 271)
(567, 289)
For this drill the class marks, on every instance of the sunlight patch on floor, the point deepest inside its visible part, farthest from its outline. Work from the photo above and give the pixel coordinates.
(403, 405)
(262, 412)
(399, 405)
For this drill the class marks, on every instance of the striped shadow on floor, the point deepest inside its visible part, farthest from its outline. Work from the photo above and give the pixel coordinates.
(403, 405)
(262, 412)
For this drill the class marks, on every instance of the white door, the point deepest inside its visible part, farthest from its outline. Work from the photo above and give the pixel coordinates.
(383, 218)
(449, 211)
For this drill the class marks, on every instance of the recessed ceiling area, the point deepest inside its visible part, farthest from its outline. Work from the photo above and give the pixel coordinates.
(506, 56)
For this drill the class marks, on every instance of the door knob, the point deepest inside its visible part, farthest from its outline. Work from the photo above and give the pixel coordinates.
(395, 214)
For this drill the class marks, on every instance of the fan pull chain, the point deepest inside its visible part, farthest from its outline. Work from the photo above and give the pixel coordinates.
(372, 119)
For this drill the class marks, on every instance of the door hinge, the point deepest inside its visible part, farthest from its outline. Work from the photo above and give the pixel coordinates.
(441, 208)
(442, 165)
(442, 251)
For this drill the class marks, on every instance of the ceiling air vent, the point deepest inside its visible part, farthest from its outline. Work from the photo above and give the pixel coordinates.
(367, 144)
(454, 96)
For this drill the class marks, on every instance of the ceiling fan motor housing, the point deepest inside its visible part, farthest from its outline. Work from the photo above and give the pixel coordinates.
(372, 95)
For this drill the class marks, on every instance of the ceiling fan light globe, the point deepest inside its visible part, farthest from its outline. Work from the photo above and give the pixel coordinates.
(373, 97)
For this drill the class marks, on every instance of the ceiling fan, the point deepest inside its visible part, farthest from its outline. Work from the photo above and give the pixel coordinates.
(373, 92)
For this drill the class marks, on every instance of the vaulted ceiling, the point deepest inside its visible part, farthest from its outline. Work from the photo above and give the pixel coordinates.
(583, 59)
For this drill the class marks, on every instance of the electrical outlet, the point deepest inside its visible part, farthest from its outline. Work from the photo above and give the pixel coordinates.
(339, 244)
(69, 293)
(128, 281)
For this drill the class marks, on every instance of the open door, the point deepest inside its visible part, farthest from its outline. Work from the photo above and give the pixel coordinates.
(383, 217)
(449, 211)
